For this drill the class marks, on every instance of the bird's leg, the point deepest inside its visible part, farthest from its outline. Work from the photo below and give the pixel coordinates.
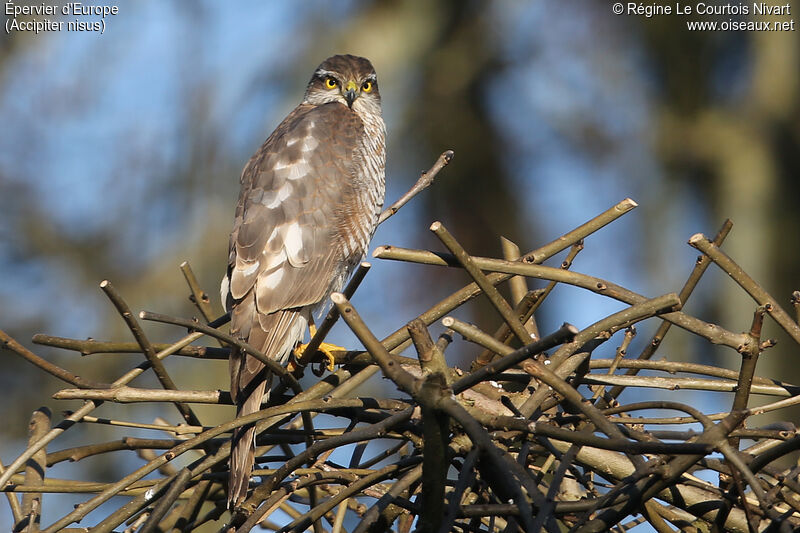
(325, 349)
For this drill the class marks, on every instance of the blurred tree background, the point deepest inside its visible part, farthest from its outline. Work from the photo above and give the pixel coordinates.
(120, 155)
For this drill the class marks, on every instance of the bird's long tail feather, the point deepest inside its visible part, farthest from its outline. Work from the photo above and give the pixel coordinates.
(275, 336)
(243, 444)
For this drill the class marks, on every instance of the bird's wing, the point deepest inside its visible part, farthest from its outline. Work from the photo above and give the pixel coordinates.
(285, 245)
(291, 241)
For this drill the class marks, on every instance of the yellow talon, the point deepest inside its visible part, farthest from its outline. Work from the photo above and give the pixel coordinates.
(325, 349)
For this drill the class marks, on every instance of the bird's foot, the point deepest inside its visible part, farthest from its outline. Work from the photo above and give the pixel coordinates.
(326, 349)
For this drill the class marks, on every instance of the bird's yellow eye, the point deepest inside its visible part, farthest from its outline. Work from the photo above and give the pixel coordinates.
(366, 86)
(331, 83)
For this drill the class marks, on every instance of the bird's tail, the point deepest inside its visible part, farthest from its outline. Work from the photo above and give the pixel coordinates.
(243, 443)
(275, 335)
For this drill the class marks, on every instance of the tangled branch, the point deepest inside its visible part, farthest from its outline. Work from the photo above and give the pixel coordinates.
(532, 437)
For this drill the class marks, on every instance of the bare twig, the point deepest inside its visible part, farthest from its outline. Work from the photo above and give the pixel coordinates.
(713, 333)
(564, 334)
(750, 286)
(396, 339)
(431, 358)
(517, 285)
(34, 474)
(133, 395)
(147, 349)
(176, 487)
(654, 382)
(199, 297)
(795, 301)
(87, 408)
(91, 346)
(249, 507)
(524, 310)
(310, 354)
(13, 502)
(496, 299)
(422, 183)
(181, 429)
(10, 344)
(273, 366)
(694, 278)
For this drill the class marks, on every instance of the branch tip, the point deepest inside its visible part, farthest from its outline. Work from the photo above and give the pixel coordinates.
(338, 298)
(697, 237)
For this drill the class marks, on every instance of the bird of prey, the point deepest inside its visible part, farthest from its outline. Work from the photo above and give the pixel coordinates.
(308, 206)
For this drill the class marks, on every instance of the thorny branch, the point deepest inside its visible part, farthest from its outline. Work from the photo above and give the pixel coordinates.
(525, 440)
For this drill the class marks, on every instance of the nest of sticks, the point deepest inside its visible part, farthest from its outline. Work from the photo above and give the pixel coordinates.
(532, 437)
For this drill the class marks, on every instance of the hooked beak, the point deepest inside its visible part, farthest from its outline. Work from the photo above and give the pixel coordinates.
(351, 93)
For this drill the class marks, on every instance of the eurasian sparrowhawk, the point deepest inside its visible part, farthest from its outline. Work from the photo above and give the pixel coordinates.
(308, 206)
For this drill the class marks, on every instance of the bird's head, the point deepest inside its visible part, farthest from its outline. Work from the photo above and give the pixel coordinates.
(347, 79)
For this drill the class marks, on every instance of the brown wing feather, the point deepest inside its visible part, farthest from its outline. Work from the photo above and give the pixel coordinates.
(287, 252)
(284, 241)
